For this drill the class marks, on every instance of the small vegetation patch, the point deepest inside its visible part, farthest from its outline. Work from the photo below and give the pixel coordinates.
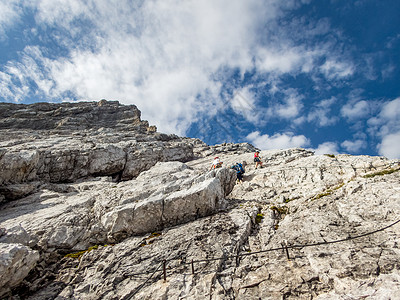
(291, 199)
(153, 235)
(79, 254)
(328, 192)
(380, 173)
(148, 240)
(282, 210)
(259, 218)
(319, 196)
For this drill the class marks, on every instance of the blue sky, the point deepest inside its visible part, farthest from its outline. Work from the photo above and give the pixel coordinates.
(322, 75)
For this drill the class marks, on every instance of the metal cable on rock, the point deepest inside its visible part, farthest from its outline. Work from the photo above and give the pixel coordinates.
(130, 295)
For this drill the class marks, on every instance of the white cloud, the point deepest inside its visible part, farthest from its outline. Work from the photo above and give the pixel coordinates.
(8, 89)
(336, 69)
(320, 113)
(277, 141)
(353, 146)
(282, 61)
(357, 110)
(386, 125)
(244, 103)
(326, 148)
(391, 110)
(164, 55)
(18, 76)
(390, 145)
(290, 108)
(9, 14)
(388, 120)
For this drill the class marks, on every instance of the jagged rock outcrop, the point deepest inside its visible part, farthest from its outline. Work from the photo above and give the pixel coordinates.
(111, 141)
(363, 267)
(66, 159)
(106, 232)
(76, 216)
(16, 263)
(72, 116)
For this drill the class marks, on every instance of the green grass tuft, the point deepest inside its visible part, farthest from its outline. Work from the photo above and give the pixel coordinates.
(319, 196)
(328, 192)
(380, 173)
(259, 218)
(80, 253)
(282, 210)
(291, 199)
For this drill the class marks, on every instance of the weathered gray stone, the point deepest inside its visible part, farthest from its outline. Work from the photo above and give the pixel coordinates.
(182, 211)
(71, 116)
(346, 204)
(101, 211)
(68, 159)
(17, 191)
(16, 261)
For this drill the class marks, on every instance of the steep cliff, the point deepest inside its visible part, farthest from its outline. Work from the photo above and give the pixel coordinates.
(39, 144)
(98, 212)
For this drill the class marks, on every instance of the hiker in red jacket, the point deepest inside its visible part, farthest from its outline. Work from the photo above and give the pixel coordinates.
(257, 159)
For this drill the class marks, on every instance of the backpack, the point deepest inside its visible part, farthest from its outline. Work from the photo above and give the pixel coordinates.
(239, 168)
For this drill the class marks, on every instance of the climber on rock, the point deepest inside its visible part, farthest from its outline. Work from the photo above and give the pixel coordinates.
(257, 159)
(216, 163)
(239, 168)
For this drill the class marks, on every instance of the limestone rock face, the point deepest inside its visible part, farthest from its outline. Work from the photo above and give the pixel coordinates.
(40, 144)
(66, 159)
(101, 213)
(332, 200)
(16, 261)
(76, 216)
(71, 116)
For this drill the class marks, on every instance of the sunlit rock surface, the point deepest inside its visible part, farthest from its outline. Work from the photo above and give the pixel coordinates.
(96, 213)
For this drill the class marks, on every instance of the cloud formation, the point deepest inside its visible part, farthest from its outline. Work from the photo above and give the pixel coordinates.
(353, 146)
(356, 110)
(9, 15)
(321, 112)
(386, 126)
(326, 148)
(277, 141)
(158, 53)
(279, 68)
(390, 146)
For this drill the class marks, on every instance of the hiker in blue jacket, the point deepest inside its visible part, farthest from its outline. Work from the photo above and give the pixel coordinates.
(238, 167)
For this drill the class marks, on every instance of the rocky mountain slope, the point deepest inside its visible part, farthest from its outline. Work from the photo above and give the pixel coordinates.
(95, 204)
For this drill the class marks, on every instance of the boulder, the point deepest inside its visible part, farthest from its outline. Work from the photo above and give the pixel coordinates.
(76, 216)
(16, 261)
